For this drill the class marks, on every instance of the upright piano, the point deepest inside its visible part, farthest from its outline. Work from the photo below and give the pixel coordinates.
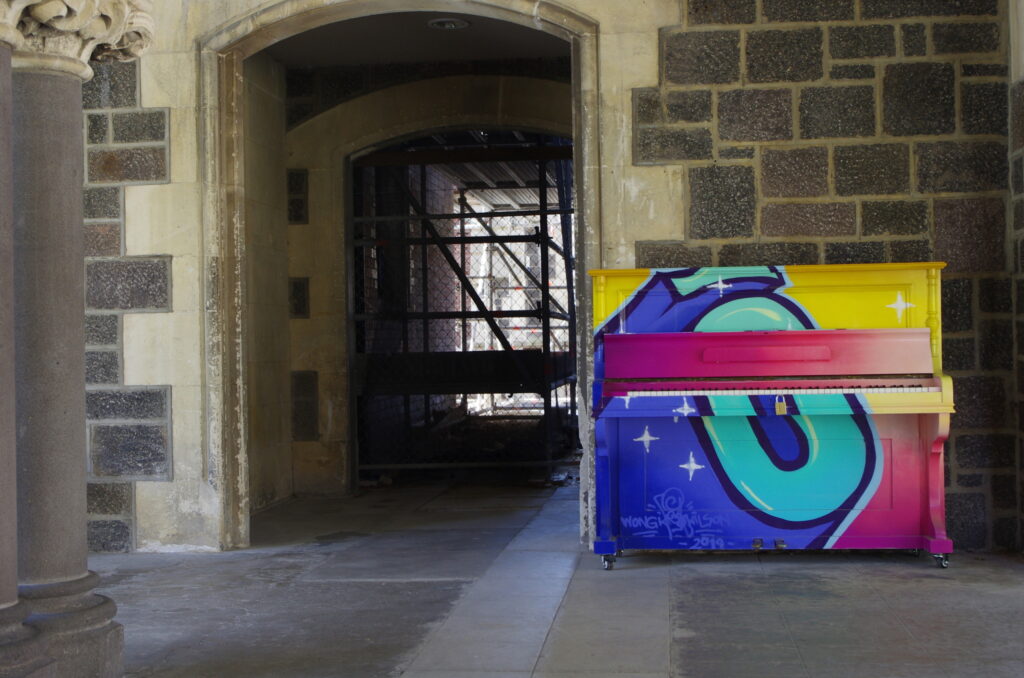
(776, 407)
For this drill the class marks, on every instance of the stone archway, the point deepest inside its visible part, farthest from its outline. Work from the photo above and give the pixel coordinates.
(223, 131)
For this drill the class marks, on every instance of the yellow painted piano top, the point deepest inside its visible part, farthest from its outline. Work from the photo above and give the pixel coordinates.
(837, 296)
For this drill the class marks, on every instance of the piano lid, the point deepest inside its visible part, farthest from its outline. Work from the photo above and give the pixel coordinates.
(767, 354)
(769, 298)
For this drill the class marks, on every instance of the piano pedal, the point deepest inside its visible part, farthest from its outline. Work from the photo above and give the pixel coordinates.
(758, 544)
(780, 544)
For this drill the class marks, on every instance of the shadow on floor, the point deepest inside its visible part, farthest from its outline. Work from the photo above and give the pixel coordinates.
(489, 581)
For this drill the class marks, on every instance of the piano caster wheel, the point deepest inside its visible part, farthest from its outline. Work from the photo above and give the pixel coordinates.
(608, 562)
(941, 560)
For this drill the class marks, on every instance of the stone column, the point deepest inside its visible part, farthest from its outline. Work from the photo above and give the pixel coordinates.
(49, 321)
(49, 337)
(22, 652)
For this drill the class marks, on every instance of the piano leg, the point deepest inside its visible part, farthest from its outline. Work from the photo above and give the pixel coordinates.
(935, 430)
(605, 473)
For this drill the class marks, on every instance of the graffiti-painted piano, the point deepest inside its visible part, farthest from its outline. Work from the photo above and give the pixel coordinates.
(770, 407)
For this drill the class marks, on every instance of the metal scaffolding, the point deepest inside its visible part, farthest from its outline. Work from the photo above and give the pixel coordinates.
(462, 312)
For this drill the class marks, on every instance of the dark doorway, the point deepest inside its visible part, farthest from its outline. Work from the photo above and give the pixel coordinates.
(463, 322)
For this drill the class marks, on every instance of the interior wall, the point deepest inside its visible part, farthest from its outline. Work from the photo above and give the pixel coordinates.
(316, 250)
(319, 343)
(266, 335)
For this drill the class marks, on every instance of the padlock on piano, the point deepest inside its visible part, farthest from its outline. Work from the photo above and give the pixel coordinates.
(780, 405)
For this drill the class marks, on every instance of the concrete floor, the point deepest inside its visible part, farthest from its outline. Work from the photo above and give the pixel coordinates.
(439, 581)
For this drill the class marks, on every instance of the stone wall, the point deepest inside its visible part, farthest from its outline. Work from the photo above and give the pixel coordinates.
(128, 427)
(688, 128)
(1016, 250)
(854, 132)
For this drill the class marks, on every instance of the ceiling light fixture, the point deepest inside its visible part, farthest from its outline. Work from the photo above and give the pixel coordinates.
(448, 24)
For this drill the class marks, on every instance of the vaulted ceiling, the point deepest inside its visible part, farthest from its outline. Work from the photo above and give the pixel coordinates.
(406, 37)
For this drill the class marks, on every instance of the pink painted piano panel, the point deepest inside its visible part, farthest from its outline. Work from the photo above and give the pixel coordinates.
(758, 354)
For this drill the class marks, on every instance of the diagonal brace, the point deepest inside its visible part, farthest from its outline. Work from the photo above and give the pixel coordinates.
(508, 251)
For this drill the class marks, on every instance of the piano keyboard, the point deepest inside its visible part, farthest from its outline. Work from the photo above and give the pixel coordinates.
(785, 391)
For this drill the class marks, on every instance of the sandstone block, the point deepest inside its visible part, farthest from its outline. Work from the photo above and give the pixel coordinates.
(784, 56)
(809, 219)
(722, 12)
(961, 166)
(706, 57)
(915, 40)
(109, 499)
(892, 9)
(722, 202)
(984, 108)
(852, 72)
(768, 254)
(131, 283)
(837, 112)
(961, 38)
(918, 98)
(795, 173)
(969, 234)
(668, 254)
(129, 450)
(755, 115)
(898, 217)
(693, 106)
(665, 144)
(874, 169)
(808, 10)
(857, 42)
(854, 252)
(957, 304)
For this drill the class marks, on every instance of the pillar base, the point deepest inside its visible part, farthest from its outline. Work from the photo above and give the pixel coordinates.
(22, 648)
(78, 627)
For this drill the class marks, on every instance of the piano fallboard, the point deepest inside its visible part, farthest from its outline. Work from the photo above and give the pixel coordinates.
(672, 387)
(774, 353)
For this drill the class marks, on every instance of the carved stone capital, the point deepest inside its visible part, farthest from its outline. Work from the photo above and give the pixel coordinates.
(63, 35)
(10, 17)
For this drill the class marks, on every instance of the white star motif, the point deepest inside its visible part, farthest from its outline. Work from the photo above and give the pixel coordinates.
(646, 439)
(691, 466)
(685, 410)
(899, 306)
(720, 286)
(626, 399)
